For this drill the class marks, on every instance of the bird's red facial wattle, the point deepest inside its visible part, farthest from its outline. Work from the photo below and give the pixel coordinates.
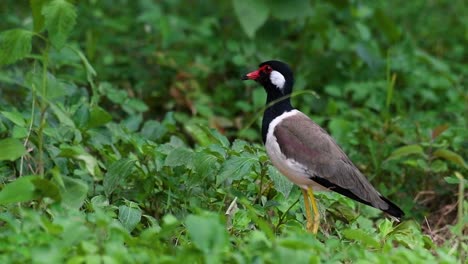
(264, 70)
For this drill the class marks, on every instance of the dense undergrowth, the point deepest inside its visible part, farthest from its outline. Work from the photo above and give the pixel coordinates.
(127, 136)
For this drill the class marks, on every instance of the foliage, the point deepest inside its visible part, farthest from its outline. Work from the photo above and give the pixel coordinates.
(127, 136)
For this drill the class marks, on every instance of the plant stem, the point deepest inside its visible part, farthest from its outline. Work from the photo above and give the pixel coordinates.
(43, 106)
(284, 214)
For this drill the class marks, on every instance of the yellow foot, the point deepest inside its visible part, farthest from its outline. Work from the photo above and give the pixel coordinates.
(316, 221)
(312, 225)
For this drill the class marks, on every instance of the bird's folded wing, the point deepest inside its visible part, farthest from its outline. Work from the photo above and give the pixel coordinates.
(308, 144)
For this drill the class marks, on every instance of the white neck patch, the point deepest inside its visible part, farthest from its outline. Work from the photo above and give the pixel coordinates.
(277, 79)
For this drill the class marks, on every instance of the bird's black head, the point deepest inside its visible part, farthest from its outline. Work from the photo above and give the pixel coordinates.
(275, 76)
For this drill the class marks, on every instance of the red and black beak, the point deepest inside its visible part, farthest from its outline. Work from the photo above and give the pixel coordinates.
(251, 76)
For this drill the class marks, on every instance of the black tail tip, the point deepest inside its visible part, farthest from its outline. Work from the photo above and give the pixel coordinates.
(393, 209)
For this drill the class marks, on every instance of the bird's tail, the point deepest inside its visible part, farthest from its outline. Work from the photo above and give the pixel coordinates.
(393, 209)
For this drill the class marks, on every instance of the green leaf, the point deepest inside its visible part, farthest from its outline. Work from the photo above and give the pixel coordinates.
(282, 184)
(455, 180)
(216, 137)
(60, 18)
(38, 18)
(46, 188)
(74, 193)
(204, 163)
(19, 132)
(90, 72)
(340, 128)
(77, 152)
(450, 156)
(385, 227)
(237, 167)
(153, 130)
(129, 216)
(55, 88)
(62, 115)
(180, 156)
(135, 104)
(20, 190)
(14, 117)
(361, 236)
(406, 151)
(252, 14)
(98, 117)
(208, 235)
(11, 149)
(197, 132)
(116, 174)
(15, 45)
(291, 9)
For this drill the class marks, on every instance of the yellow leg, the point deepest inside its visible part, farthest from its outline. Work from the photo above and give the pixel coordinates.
(307, 208)
(316, 212)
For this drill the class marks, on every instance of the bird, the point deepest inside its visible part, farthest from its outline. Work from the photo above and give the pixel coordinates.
(304, 152)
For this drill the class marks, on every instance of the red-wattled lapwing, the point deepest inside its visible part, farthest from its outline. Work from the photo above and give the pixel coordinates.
(304, 152)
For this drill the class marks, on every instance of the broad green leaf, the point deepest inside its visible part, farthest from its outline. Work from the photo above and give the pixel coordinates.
(360, 236)
(134, 104)
(116, 174)
(11, 149)
(237, 167)
(180, 156)
(197, 132)
(282, 184)
(439, 166)
(20, 190)
(81, 116)
(15, 45)
(115, 95)
(292, 9)
(77, 152)
(55, 87)
(14, 117)
(129, 216)
(252, 14)
(385, 227)
(99, 201)
(455, 180)
(153, 130)
(205, 163)
(19, 132)
(98, 117)
(60, 18)
(342, 211)
(46, 188)
(292, 254)
(74, 193)
(216, 137)
(38, 18)
(340, 128)
(406, 151)
(208, 235)
(450, 156)
(62, 116)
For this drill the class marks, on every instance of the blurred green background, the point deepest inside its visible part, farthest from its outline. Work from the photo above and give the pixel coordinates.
(127, 108)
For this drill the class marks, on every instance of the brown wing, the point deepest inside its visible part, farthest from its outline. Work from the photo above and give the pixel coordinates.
(307, 143)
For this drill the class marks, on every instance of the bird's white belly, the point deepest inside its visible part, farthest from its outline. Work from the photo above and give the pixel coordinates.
(290, 168)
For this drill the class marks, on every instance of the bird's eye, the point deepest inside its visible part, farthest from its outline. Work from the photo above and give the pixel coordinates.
(268, 69)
